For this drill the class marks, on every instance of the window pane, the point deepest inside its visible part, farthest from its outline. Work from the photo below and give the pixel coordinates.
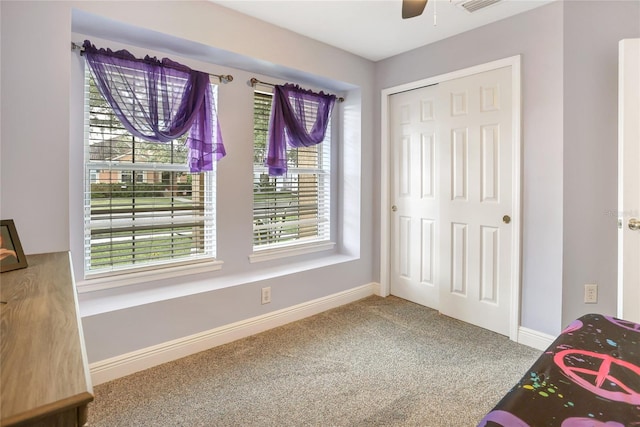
(293, 208)
(142, 206)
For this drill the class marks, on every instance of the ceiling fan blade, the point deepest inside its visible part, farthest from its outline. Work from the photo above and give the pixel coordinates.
(412, 8)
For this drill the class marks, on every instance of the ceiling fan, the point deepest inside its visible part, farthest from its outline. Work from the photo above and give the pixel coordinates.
(412, 8)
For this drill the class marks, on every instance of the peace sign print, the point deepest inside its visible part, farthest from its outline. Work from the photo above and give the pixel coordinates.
(502, 418)
(624, 323)
(588, 422)
(574, 326)
(578, 365)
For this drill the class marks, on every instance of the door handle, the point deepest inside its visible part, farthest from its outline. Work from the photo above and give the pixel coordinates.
(506, 219)
(634, 224)
(394, 208)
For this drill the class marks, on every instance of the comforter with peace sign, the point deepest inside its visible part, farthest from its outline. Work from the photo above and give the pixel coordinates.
(588, 377)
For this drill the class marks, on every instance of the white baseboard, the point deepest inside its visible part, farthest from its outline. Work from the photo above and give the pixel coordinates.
(377, 289)
(126, 364)
(534, 339)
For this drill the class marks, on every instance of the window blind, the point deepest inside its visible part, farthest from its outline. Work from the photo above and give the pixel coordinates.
(143, 209)
(294, 208)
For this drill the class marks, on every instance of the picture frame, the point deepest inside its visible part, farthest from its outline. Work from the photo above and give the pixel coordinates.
(11, 254)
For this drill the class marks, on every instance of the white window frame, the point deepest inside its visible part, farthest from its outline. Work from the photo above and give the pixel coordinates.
(325, 172)
(118, 276)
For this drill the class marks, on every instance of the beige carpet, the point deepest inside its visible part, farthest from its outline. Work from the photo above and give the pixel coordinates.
(375, 362)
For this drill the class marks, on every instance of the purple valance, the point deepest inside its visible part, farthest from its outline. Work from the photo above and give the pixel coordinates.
(292, 110)
(159, 101)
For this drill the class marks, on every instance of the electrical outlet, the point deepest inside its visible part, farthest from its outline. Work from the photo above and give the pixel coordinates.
(266, 295)
(590, 293)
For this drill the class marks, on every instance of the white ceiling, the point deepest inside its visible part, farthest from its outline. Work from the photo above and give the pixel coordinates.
(374, 29)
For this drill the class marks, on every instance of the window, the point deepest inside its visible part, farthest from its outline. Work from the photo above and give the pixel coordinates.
(295, 208)
(127, 176)
(143, 209)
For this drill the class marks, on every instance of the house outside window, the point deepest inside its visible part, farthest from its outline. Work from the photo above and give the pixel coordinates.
(294, 209)
(164, 217)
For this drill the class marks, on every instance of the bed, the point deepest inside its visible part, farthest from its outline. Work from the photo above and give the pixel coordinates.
(588, 377)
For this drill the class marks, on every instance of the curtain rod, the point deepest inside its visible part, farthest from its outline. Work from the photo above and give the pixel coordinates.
(222, 77)
(255, 81)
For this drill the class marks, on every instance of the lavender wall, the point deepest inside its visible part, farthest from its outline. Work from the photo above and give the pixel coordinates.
(592, 30)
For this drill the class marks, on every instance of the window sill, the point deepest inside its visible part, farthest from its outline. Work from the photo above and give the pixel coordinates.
(94, 303)
(132, 278)
(289, 251)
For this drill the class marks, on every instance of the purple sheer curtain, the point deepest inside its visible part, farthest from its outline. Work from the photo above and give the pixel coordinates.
(291, 109)
(159, 101)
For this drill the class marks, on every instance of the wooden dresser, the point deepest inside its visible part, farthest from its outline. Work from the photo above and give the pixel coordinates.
(44, 375)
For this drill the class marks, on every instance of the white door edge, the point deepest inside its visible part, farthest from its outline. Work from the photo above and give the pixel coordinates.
(385, 177)
(628, 177)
